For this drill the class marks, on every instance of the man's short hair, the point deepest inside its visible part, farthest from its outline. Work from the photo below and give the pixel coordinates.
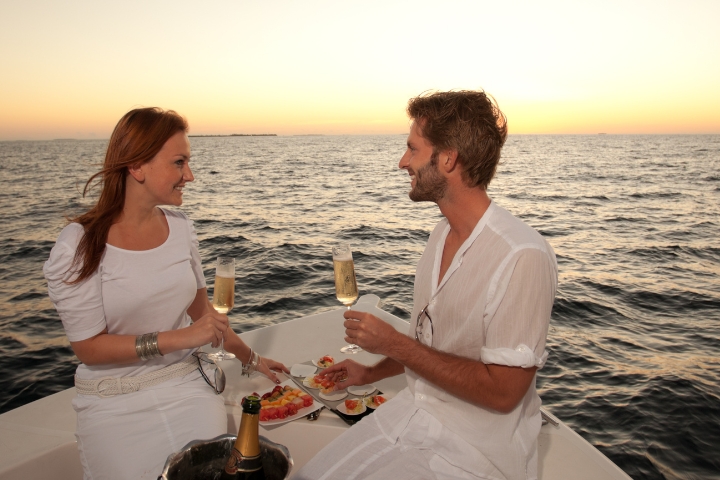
(469, 122)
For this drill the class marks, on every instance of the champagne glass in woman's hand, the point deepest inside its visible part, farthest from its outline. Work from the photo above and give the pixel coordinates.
(345, 283)
(224, 297)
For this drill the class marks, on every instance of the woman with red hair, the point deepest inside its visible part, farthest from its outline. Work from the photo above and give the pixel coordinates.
(127, 281)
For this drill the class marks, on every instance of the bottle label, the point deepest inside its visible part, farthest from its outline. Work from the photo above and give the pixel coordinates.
(237, 463)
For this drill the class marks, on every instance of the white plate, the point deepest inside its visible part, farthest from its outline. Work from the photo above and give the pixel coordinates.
(302, 370)
(315, 362)
(341, 408)
(301, 413)
(334, 396)
(369, 404)
(361, 389)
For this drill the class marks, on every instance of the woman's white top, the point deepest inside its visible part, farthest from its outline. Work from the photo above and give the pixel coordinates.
(131, 293)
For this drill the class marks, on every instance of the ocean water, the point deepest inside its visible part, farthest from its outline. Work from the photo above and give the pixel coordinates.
(634, 343)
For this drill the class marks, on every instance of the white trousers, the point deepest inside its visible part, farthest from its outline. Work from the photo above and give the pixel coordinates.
(130, 436)
(364, 452)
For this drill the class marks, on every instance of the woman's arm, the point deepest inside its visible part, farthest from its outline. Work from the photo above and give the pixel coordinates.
(233, 343)
(266, 366)
(208, 327)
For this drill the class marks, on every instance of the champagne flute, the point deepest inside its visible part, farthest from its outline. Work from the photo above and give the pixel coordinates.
(224, 298)
(345, 283)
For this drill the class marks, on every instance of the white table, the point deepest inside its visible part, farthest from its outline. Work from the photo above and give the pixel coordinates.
(299, 341)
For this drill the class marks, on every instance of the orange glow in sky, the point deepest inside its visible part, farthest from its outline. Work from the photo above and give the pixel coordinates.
(72, 69)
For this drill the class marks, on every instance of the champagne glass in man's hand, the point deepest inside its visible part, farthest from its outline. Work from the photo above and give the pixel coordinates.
(345, 283)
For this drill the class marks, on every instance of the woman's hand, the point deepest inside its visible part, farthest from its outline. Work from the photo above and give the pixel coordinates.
(209, 328)
(267, 365)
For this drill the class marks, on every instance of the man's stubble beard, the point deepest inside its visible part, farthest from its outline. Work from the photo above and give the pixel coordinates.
(430, 185)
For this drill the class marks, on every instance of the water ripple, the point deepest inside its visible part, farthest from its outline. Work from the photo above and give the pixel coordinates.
(634, 343)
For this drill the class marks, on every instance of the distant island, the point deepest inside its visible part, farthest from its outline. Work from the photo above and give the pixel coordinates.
(239, 135)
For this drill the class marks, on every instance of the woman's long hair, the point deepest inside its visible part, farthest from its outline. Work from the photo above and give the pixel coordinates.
(137, 138)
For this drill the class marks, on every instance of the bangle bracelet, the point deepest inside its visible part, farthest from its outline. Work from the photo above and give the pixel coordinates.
(255, 362)
(252, 364)
(154, 348)
(146, 346)
(138, 351)
(246, 366)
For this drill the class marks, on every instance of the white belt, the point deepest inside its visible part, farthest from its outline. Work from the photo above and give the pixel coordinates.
(111, 386)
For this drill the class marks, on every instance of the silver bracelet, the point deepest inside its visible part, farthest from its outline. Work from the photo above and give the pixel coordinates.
(141, 346)
(154, 349)
(246, 366)
(146, 346)
(252, 364)
(255, 362)
(138, 346)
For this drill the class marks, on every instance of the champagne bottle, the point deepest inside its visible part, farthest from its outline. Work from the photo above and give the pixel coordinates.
(245, 461)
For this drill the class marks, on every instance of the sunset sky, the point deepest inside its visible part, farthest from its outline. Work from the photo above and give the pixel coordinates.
(71, 69)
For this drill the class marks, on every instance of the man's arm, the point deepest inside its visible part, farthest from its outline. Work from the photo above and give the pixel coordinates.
(497, 387)
(521, 317)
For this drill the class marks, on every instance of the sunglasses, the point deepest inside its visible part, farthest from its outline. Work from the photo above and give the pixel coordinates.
(419, 325)
(209, 369)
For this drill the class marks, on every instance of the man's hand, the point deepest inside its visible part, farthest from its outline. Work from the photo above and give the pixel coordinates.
(369, 332)
(346, 374)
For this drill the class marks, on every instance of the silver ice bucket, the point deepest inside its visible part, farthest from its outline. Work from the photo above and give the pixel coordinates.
(205, 460)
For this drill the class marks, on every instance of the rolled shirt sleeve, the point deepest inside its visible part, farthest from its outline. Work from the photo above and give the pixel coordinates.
(518, 315)
(521, 356)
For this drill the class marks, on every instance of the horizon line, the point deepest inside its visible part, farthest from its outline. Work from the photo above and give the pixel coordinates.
(240, 135)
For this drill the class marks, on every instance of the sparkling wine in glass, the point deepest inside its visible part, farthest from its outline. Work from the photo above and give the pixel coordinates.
(224, 297)
(345, 283)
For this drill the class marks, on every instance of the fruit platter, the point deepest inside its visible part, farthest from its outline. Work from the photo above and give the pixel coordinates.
(285, 402)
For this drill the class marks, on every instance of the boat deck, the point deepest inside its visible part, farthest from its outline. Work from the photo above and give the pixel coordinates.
(39, 437)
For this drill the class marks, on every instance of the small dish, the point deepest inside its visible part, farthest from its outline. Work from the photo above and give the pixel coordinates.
(341, 408)
(334, 396)
(361, 389)
(302, 370)
(329, 361)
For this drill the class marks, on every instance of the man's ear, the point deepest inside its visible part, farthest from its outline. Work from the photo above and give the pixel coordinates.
(448, 160)
(137, 172)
